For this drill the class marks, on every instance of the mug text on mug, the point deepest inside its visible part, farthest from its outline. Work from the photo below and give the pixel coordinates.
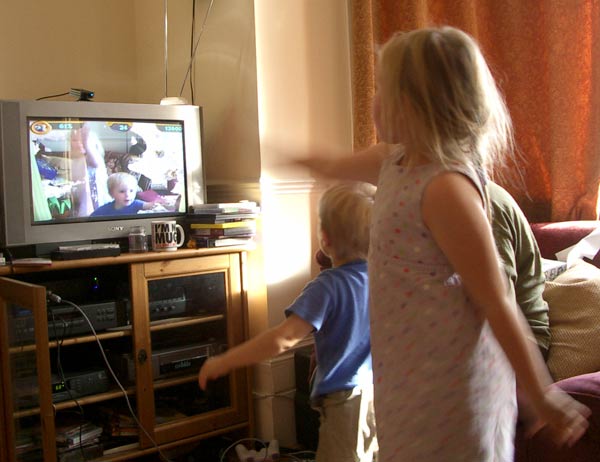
(166, 235)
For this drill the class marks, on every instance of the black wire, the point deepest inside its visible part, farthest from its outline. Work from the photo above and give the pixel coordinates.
(61, 372)
(192, 50)
(187, 72)
(9, 260)
(52, 96)
(115, 378)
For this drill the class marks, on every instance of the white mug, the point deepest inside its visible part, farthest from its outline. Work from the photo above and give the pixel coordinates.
(167, 235)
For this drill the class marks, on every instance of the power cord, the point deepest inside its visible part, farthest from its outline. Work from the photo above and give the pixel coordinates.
(264, 446)
(80, 93)
(9, 259)
(240, 441)
(57, 299)
(52, 96)
(59, 341)
(189, 68)
(310, 454)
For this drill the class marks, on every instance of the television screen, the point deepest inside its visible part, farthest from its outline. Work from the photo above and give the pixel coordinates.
(85, 169)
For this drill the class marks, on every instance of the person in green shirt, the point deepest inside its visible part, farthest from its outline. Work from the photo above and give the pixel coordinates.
(521, 260)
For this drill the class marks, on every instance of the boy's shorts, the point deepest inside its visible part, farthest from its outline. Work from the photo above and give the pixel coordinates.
(347, 426)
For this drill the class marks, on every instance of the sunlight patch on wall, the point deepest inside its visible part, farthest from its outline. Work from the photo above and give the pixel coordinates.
(287, 228)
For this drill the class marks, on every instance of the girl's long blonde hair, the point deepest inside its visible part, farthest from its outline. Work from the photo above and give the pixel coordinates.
(439, 98)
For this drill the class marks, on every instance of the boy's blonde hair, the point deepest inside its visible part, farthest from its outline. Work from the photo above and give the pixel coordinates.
(439, 94)
(116, 179)
(345, 215)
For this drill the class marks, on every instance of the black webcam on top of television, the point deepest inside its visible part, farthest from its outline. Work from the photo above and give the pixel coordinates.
(82, 94)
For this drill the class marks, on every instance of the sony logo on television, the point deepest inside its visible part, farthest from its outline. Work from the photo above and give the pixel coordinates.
(116, 228)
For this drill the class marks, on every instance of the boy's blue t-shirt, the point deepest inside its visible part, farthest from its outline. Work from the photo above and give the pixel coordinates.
(108, 209)
(336, 304)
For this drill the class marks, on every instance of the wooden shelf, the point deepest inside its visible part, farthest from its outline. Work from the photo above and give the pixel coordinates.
(97, 398)
(124, 332)
(189, 321)
(124, 258)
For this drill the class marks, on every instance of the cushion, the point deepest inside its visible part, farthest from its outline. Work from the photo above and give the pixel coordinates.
(554, 237)
(574, 300)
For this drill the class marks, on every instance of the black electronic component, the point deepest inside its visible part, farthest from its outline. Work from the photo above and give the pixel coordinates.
(82, 94)
(167, 362)
(72, 386)
(78, 384)
(66, 321)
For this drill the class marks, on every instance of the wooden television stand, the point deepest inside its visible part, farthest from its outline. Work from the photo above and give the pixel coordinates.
(156, 317)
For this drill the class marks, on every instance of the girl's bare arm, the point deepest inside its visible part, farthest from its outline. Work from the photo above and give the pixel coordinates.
(359, 166)
(453, 211)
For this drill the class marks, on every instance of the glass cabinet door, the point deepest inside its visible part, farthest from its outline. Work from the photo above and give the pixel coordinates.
(194, 310)
(78, 332)
(26, 384)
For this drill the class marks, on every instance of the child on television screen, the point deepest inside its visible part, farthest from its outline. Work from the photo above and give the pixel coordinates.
(123, 188)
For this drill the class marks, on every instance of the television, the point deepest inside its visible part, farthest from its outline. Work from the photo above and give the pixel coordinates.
(64, 167)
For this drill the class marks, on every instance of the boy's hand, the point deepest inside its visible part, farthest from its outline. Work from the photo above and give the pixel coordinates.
(213, 368)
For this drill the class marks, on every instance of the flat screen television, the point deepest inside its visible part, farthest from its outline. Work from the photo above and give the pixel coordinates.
(89, 171)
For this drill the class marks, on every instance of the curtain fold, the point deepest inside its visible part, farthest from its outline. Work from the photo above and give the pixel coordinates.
(545, 55)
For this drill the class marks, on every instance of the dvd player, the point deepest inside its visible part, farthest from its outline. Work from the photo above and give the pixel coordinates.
(167, 362)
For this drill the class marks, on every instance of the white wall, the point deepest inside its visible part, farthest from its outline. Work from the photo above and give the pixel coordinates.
(47, 47)
(304, 95)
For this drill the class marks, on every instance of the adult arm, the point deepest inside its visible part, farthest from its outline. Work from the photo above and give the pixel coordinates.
(266, 345)
(453, 211)
(522, 262)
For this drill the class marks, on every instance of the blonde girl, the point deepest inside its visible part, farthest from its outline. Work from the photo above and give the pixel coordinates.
(447, 339)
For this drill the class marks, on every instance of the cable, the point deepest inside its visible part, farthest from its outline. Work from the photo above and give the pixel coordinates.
(52, 96)
(166, 14)
(235, 443)
(57, 299)
(289, 456)
(192, 49)
(196, 46)
(9, 260)
(280, 395)
(63, 378)
(295, 455)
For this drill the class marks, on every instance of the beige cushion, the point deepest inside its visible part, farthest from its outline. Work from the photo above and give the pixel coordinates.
(574, 300)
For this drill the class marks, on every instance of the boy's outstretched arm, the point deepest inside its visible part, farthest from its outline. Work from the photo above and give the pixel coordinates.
(265, 345)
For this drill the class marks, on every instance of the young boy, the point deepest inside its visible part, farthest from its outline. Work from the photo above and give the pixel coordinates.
(123, 188)
(334, 307)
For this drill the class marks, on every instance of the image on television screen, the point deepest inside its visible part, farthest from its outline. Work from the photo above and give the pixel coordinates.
(86, 169)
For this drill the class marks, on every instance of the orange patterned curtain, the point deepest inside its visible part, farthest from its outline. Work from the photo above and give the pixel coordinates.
(545, 54)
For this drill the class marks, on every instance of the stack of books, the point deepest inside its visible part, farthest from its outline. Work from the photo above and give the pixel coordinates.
(222, 224)
(118, 422)
(77, 439)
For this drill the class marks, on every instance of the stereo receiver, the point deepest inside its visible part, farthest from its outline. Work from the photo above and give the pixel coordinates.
(66, 320)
